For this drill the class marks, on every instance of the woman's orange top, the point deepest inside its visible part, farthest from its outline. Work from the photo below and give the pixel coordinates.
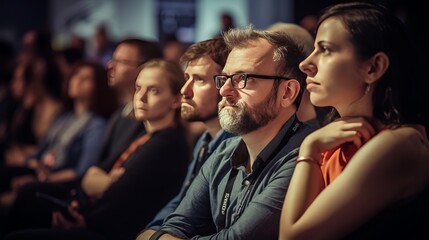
(334, 161)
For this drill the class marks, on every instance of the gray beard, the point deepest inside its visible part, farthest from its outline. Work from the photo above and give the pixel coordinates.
(242, 119)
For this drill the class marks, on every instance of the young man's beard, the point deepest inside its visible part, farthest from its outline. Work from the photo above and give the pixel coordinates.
(189, 114)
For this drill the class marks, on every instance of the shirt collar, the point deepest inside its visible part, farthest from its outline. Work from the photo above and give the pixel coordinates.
(240, 156)
(220, 136)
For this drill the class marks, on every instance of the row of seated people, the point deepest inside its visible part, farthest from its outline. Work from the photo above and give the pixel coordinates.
(33, 87)
(53, 116)
(72, 141)
(152, 125)
(45, 120)
(254, 135)
(363, 175)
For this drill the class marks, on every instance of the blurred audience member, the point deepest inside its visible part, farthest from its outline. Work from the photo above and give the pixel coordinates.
(227, 22)
(38, 103)
(77, 42)
(36, 87)
(101, 46)
(67, 58)
(309, 22)
(7, 61)
(173, 49)
(72, 142)
(307, 112)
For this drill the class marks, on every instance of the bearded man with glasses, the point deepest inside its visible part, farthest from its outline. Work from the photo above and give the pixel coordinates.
(239, 191)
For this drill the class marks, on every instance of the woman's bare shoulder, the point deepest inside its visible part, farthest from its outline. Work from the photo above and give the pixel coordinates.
(403, 154)
(408, 135)
(404, 141)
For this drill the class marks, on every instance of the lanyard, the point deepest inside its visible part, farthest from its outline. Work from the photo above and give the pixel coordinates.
(221, 219)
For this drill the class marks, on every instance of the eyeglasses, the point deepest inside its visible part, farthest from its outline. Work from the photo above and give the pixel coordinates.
(239, 80)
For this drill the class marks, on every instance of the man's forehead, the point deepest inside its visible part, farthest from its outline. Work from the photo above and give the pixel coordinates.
(203, 60)
(203, 65)
(252, 56)
(126, 50)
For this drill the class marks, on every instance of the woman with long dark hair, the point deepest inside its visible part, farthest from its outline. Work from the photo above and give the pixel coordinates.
(364, 175)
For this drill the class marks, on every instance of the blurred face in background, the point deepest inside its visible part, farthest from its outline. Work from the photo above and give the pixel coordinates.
(122, 69)
(82, 84)
(173, 50)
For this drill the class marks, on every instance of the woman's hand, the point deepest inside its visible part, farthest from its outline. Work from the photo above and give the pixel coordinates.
(48, 159)
(115, 174)
(356, 130)
(44, 169)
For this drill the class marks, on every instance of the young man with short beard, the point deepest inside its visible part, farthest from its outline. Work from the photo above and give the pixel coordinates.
(200, 99)
(239, 191)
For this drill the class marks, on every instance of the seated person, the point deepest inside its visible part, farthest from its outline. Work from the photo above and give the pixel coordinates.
(72, 142)
(200, 98)
(146, 175)
(365, 174)
(122, 71)
(36, 104)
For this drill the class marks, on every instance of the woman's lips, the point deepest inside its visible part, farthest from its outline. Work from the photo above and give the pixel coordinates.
(311, 85)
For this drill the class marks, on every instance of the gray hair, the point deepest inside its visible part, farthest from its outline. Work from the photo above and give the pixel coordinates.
(287, 52)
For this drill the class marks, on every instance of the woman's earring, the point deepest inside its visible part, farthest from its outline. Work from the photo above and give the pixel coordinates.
(368, 88)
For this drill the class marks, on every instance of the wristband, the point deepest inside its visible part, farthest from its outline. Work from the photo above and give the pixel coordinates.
(157, 235)
(308, 159)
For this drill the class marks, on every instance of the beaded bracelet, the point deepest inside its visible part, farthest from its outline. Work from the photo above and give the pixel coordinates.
(308, 159)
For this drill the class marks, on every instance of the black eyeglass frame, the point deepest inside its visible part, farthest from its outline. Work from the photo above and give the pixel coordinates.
(246, 76)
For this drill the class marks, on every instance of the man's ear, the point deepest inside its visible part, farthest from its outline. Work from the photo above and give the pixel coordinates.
(376, 67)
(289, 92)
(177, 102)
